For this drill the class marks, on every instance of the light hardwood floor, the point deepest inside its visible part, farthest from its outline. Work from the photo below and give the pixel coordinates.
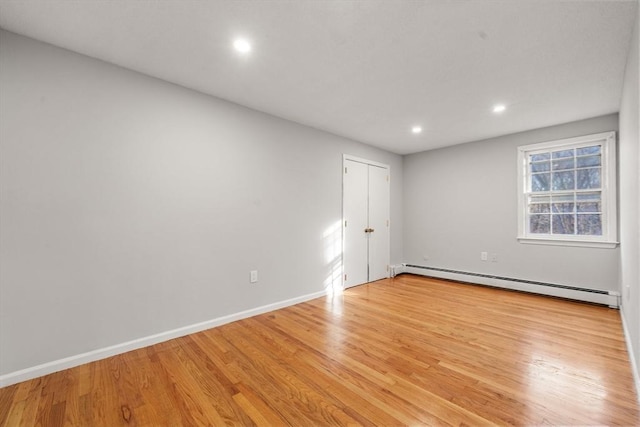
(404, 351)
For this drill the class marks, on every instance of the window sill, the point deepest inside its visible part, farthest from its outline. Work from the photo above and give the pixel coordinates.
(574, 243)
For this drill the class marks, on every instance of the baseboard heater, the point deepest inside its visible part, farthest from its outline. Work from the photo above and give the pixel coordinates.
(610, 298)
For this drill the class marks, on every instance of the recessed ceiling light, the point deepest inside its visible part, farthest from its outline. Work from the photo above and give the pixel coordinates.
(241, 45)
(499, 108)
(416, 129)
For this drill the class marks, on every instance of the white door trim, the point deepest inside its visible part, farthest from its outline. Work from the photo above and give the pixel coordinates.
(365, 161)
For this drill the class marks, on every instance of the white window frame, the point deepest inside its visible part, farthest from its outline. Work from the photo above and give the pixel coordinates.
(609, 236)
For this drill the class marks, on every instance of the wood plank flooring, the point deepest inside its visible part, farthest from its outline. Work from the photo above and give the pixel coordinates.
(403, 351)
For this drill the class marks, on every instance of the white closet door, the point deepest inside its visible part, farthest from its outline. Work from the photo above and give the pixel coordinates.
(366, 246)
(355, 213)
(379, 249)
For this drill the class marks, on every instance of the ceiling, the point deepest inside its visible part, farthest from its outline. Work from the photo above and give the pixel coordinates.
(366, 70)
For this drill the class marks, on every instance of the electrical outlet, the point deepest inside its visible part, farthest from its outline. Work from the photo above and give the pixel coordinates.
(253, 276)
(483, 256)
(494, 257)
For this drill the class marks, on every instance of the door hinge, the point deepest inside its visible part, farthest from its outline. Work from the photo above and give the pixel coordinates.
(345, 222)
(387, 267)
(387, 223)
(345, 277)
(345, 170)
(387, 178)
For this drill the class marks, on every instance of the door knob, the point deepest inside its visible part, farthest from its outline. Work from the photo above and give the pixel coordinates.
(369, 230)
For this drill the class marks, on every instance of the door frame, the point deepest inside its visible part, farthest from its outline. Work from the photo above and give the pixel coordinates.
(357, 159)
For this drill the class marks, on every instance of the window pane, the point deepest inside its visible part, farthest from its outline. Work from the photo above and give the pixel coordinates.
(585, 151)
(590, 225)
(540, 182)
(589, 202)
(583, 162)
(539, 204)
(563, 164)
(563, 153)
(563, 224)
(589, 207)
(539, 224)
(564, 180)
(540, 157)
(540, 167)
(563, 207)
(539, 208)
(588, 178)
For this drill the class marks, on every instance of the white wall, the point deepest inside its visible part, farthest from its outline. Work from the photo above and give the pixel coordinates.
(630, 197)
(131, 206)
(462, 200)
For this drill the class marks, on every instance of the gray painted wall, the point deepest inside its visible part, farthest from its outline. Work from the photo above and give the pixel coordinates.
(462, 200)
(630, 196)
(130, 206)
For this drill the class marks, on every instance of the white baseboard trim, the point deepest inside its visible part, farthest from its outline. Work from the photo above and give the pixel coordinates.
(609, 298)
(630, 352)
(102, 353)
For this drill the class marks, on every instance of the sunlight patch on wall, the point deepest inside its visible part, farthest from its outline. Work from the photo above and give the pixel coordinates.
(332, 240)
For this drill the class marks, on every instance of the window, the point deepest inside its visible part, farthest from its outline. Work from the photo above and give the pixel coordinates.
(567, 192)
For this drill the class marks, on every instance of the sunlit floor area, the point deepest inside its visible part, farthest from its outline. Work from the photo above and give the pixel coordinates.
(403, 351)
